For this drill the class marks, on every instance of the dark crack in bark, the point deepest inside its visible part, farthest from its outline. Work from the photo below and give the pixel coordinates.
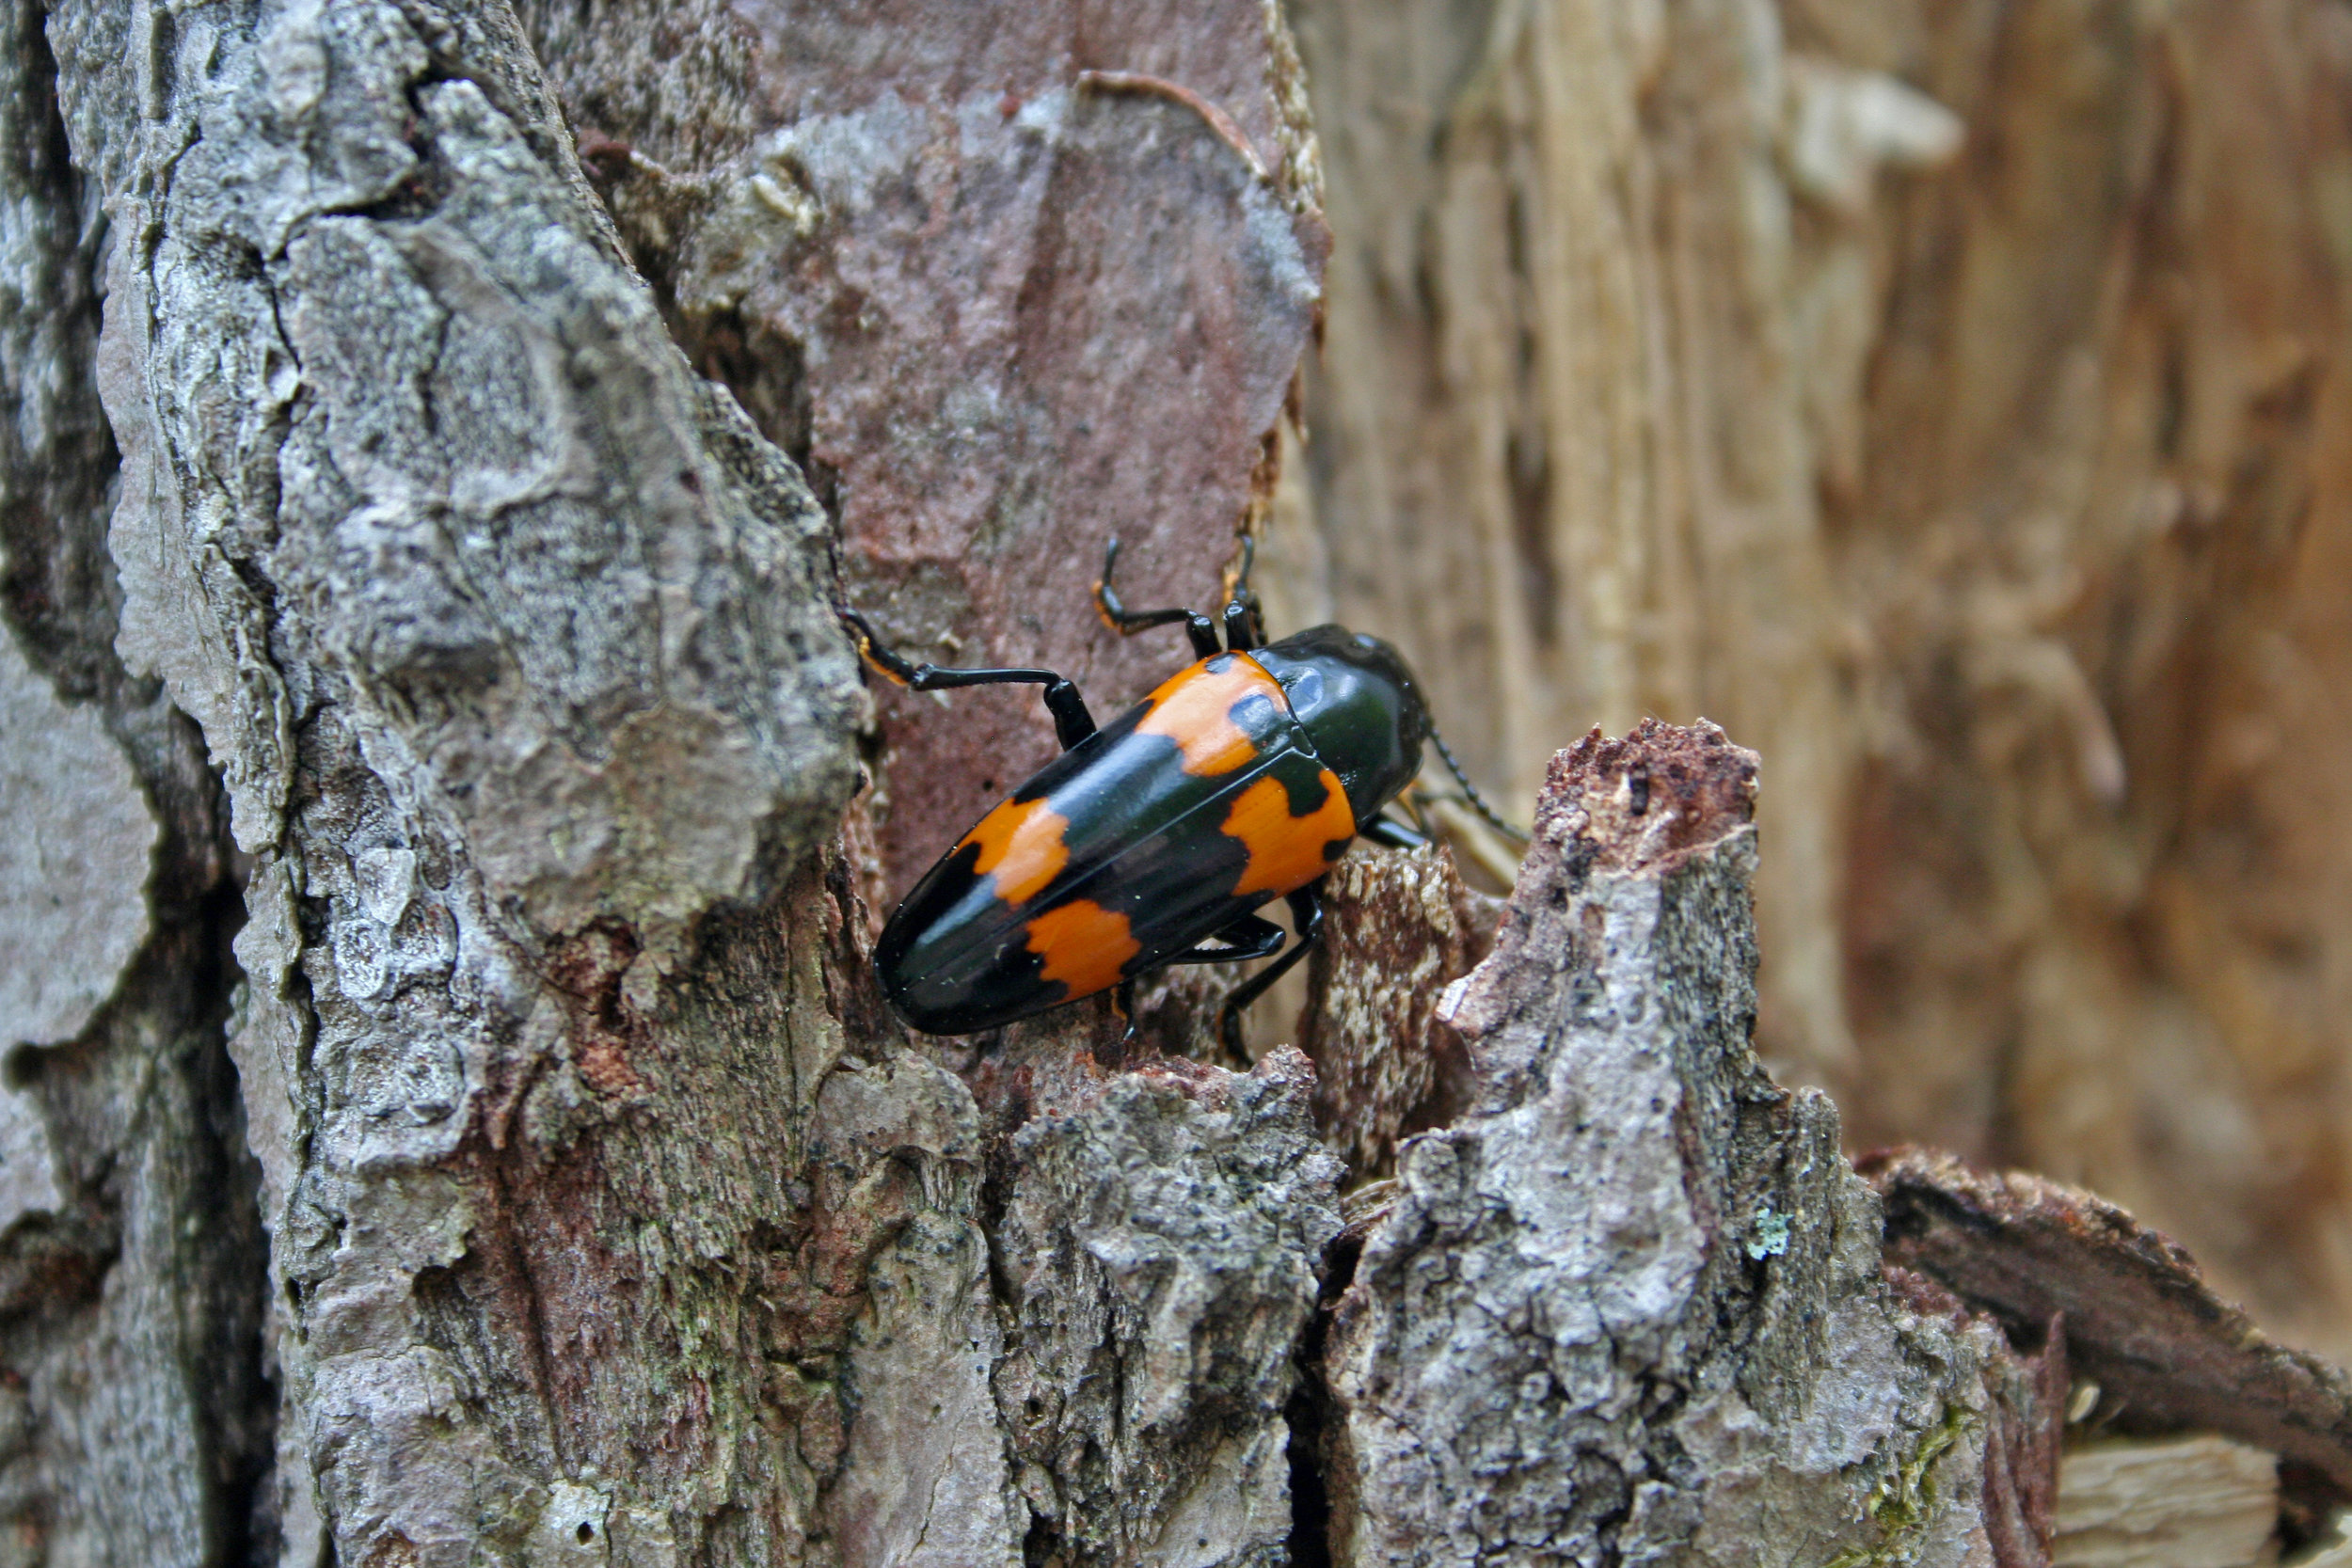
(135, 1416)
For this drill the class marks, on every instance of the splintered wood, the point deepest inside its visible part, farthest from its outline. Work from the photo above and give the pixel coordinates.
(1947, 396)
(2181, 1502)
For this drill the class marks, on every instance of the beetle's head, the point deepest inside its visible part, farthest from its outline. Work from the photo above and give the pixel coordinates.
(1358, 702)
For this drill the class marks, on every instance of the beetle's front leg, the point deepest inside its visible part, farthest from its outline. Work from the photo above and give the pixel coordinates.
(1072, 721)
(1126, 622)
(1386, 831)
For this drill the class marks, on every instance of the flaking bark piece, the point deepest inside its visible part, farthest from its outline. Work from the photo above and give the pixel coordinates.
(2167, 1353)
(1399, 926)
(1155, 1254)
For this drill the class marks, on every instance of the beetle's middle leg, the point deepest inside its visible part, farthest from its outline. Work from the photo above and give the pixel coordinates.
(1249, 935)
(1072, 721)
(1252, 935)
(1307, 910)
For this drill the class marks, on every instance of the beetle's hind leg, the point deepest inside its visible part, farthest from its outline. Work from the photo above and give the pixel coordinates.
(1126, 622)
(1307, 910)
(1253, 936)
(1072, 721)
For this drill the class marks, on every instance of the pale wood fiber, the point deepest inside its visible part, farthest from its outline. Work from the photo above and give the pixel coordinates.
(2167, 1504)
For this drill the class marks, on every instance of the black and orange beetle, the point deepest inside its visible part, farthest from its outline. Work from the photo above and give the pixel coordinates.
(1154, 840)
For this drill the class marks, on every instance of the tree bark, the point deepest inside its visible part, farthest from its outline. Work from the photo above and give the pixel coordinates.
(135, 1416)
(572, 1198)
(1629, 1307)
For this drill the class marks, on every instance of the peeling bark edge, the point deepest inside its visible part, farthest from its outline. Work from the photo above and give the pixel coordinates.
(2164, 1352)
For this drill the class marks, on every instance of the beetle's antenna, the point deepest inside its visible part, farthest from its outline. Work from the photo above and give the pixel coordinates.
(1478, 801)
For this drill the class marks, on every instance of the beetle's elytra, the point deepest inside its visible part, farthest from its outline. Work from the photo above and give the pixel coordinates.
(1153, 840)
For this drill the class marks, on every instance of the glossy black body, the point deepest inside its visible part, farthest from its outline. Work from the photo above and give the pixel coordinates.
(1150, 833)
(1359, 707)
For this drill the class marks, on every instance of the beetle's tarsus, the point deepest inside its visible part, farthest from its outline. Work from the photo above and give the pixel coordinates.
(1072, 721)
(871, 652)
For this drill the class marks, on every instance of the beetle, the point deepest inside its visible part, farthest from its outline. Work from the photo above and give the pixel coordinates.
(1154, 840)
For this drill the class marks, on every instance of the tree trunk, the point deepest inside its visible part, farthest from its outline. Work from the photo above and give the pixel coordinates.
(572, 1198)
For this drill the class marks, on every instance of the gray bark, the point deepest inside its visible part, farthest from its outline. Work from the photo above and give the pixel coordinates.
(135, 1417)
(1630, 1306)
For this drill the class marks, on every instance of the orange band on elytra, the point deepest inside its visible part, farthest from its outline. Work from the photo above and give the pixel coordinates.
(1085, 945)
(1021, 846)
(1287, 852)
(1195, 709)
